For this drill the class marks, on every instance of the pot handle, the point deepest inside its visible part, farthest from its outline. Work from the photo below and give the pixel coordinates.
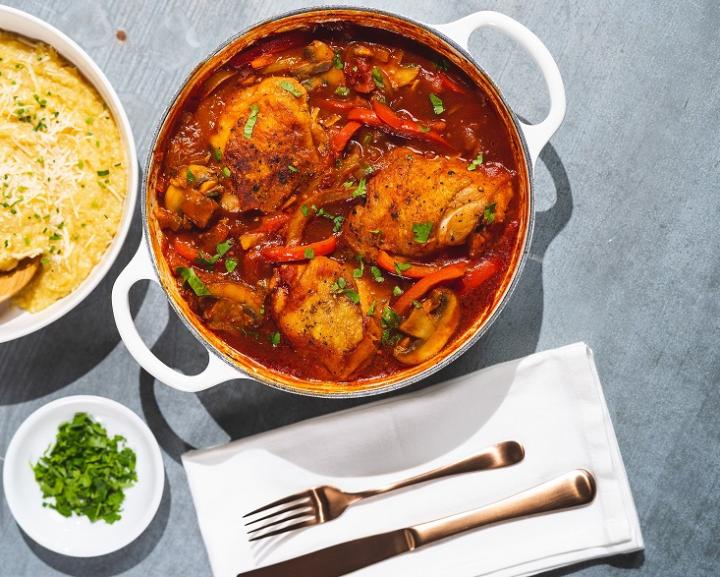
(140, 268)
(536, 135)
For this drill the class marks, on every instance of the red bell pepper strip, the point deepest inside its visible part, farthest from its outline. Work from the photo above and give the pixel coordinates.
(300, 252)
(337, 105)
(386, 262)
(418, 290)
(364, 115)
(340, 139)
(185, 250)
(478, 274)
(273, 223)
(403, 126)
(280, 43)
(451, 84)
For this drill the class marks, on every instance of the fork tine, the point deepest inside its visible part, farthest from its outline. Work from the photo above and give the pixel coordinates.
(282, 501)
(306, 513)
(300, 504)
(300, 525)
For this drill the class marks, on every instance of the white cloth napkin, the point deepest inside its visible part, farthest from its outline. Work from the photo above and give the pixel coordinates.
(551, 402)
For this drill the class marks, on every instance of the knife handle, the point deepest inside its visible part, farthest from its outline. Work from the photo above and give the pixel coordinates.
(569, 490)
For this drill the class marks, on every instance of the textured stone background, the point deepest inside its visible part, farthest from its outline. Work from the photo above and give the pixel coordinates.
(625, 257)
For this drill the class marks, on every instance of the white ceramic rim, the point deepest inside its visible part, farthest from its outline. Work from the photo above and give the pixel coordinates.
(19, 22)
(155, 457)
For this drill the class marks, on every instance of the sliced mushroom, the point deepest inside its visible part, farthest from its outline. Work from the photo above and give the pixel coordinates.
(247, 298)
(436, 320)
(402, 75)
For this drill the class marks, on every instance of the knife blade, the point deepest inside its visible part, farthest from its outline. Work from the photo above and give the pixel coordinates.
(342, 558)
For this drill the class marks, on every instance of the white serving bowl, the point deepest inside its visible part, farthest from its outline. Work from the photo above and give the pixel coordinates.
(77, 536)
(15, 322)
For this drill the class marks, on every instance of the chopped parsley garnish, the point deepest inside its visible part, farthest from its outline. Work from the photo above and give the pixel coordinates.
(86, 472)
(340, 287)
(275, 339)
(290, 87)
(336, 220)
(378, 78)
(250, 122)
(371, 309)
(191, 278)
(421, 231)
(390, 321)
(437, 104)
(41, 126)
(226, 172)
(220, 251)
(217, 154)
(189, 176)
(342, 91)
(338, 61)
(230, 264)
(477, 161)
(397, 291)
(489, 213)
(309, 253)
(401, 267)
(55, 236)
(376, 274)
(416, 304)
(358, 272)
(360, 190)
(292, 168)
(304, 210)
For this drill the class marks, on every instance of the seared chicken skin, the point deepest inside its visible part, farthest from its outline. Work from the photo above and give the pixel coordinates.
(323, 316)
(269, 142)
(417, 205)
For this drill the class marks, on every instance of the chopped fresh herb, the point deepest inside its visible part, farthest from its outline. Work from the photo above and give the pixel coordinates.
(340, 287)
(401, 267)
(189, 276)
(189, 176)
(55, 236)
(41, 126)
(352, 295)
(416, 304)
(226, 172)
(376, 274)
(217, 154)
(304, 210)
(81, 164)
(424, 129)
(360, 190)
(371, 309)
(220, 251)
(437, 104)
(358, 272)
(477, 161)
(250, 122)
(275, 339)
(489, 213)
(292, 168)
(390, 321)
(336, 220)
(397, 291)
(230, 264)
(44, 261)
(342, 91)
(338, 61)
(290, 87)
(309, 253)
(376, 231)
(378, 78)
(86, 471)
(421, 231)
(349, 183)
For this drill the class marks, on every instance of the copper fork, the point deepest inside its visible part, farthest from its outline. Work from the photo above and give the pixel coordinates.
(325, 503)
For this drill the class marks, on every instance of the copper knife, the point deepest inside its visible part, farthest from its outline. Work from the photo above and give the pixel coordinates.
(569, 490)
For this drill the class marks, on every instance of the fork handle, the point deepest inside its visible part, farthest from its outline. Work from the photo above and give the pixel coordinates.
(569, 490)
(499, 455)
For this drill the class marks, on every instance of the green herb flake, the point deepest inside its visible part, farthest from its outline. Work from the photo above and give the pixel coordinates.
(226, 172)
(371, 309)
(421, 231)
(290, 87)
(309, 253)
(250, 122)
(230, 264)
(85, 472)
(353, 296)
(304, 210)
(358, 272)
(489, 213)
(437, 104)
(378, 78)
(477, 161)
(361, 189)
(189, 176)
(275, 339)
(191, 278)
(397, 291)
(217, 154)
(376, 274)
(342, 91)
(401, 267)
(416, 304)
(293, 168)
(338, 61)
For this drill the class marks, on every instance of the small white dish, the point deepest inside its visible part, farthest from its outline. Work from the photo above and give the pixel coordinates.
(77, 536)
(15, 322)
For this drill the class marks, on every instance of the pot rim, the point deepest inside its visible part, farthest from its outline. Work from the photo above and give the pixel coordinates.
(443, 361)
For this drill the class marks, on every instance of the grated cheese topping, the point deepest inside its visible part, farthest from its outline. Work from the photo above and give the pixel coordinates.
(63, 170)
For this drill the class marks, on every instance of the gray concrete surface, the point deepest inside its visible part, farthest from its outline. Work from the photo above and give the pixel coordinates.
(626, 258)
